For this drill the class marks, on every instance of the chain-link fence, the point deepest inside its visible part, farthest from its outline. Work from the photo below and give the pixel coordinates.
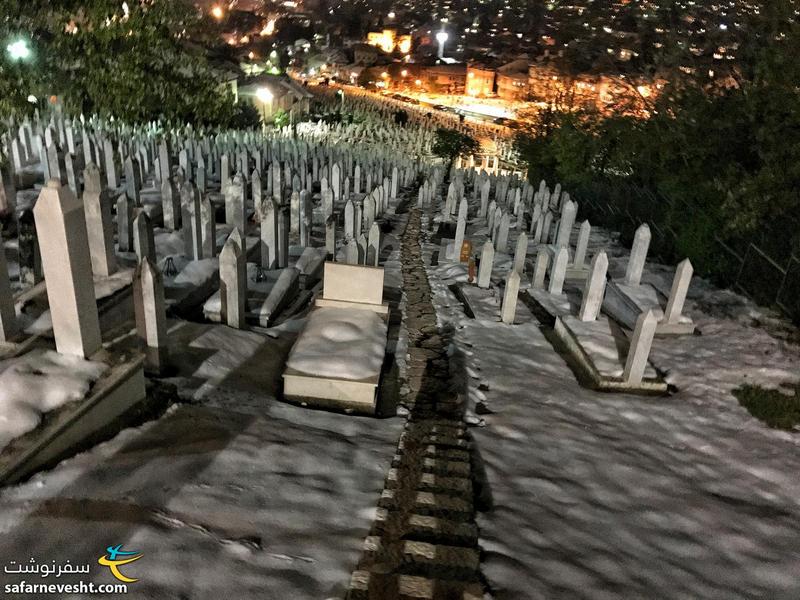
(762, 268)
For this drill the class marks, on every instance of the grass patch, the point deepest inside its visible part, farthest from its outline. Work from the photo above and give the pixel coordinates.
(777, 408)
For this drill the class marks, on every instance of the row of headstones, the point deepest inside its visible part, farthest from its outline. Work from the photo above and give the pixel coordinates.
(594, 292)
(275, 228)
(274, 234)
(136, 155)
(65, 223)
(133, 223)
(422, 117)
(67, 264)
(65, 133)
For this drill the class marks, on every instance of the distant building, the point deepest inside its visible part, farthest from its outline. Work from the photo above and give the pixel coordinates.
(390, 41)
(592, 91)
(444, 78)
(273, 93)
(513, 81)
(365, 55)
(480, 80)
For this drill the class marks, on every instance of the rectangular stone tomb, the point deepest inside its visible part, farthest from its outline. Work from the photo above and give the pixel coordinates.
(577, 273)
(624, 303)
(66, 429)
(113, 295)
(353, 286)
(600, 353)
(338, 357)
(554, 305)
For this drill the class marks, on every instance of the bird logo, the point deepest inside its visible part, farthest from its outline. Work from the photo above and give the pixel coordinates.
(115, 558)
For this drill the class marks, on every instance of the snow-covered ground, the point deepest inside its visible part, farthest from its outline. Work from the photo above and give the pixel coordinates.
(232, 494)
(618, 496)
(236, 495)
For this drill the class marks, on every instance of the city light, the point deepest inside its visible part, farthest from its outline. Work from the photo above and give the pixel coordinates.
(264, 95)
(217, 12)
(404, 73)
(18, 50)
(269, 29)
(441, 37)
(487, 110)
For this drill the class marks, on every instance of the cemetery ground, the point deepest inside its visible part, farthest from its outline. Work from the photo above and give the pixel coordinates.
(492, 466)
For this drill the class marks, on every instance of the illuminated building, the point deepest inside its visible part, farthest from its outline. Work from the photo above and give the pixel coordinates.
(480, 81)
(388, 41)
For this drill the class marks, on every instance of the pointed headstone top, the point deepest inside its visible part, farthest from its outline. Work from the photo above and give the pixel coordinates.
(236, 238)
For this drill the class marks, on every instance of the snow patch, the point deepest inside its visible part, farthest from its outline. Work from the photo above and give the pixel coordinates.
(345, 343)
(37, 383)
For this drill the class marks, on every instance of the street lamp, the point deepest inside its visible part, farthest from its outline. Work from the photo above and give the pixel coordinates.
(265, 97)
(217, 12)
(18, 50)
(441, 37)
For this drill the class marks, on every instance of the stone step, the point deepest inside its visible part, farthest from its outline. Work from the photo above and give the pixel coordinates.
(372, 546)
(435, 464)
(430, 504)
(439, 423)
(380, 586)
(430, 482)
(432, 450)
(425, 528)
(437, 560)
(446, 467)
(449, 441)
(443, 434)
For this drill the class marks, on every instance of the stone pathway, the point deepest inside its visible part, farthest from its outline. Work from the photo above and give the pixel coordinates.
(424, 541)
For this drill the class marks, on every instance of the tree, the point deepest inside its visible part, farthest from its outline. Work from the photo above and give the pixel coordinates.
(716, 168)
(134, 60)
(245, 116)
(450, 144)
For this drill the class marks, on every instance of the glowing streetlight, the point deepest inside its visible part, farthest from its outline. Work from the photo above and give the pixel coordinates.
(19, 50)
(264, 95)
(217, 12)
(442, 37)
(404, 73)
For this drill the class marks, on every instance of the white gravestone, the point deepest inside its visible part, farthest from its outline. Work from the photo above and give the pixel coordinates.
(67, 266)
(641, 342)
(594, 289)
(509, 308)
